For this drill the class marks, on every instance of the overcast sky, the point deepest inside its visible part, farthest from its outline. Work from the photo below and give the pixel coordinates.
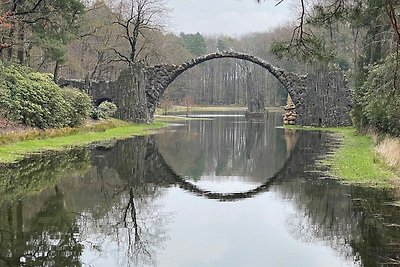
(229, 17)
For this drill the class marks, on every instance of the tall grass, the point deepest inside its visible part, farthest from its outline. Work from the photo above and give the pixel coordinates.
(389, 150)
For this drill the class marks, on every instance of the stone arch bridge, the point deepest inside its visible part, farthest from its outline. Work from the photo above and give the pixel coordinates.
(322, 98)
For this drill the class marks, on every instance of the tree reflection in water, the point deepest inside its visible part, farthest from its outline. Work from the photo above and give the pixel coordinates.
(48, 240)
(105, 206)
(39, 230)
(111, 207)
(131, 228)
(356, 222)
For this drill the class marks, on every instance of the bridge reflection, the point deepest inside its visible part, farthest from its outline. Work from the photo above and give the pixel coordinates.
(90, 199)
(263, 154)
(227, 146)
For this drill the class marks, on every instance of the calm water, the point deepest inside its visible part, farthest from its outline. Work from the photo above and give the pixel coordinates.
(220, 192)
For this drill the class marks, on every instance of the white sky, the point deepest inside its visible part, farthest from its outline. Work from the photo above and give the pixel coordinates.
(229, 17)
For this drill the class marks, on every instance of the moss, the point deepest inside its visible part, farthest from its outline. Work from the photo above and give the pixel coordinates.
(65, 138)
(355, 160)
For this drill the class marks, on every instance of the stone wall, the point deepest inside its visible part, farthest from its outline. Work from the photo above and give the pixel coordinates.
(97, 89)
(131, 98)
(327, 101)
(128, 93)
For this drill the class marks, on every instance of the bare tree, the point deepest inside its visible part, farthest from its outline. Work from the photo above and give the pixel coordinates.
(138, 19)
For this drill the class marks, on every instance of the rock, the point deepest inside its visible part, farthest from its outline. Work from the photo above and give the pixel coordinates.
(291, 118)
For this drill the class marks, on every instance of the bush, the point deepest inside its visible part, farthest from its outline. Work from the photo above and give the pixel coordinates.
(379, 100)
(80, 105)
(34, 99)
(105, 110)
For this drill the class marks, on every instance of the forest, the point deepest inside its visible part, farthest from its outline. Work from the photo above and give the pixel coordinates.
(95, 40)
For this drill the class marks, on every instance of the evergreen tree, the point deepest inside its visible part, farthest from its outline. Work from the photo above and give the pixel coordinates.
(195, 43)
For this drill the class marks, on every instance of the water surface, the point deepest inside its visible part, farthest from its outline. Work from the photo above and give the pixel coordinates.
(221, 192)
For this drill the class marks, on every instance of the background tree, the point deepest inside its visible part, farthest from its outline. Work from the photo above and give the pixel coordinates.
(137, 19)
(91, 56)
(48, 25)
(5, 25)
(195, 43)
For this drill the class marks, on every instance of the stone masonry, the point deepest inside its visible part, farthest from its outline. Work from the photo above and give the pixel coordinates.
(320, 99)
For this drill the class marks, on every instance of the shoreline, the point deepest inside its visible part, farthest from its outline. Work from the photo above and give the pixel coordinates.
(196, 109)
(19, 145)
(355, 161)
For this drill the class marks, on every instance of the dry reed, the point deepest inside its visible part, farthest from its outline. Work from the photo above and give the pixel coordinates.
(389, 150)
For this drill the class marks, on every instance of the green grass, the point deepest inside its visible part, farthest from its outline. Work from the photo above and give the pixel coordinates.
(34, 133)
(15, 151)
(355, 161)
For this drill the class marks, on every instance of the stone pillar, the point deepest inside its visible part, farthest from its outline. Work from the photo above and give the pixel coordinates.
(289, 118)
(131, 95)
(327, 101)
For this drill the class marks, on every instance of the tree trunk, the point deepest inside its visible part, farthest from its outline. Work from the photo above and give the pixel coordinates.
(56, 70)
(11, 40)
(21, 43)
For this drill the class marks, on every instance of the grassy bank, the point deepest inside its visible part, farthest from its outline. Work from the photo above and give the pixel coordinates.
(356, 161)
(16, 146)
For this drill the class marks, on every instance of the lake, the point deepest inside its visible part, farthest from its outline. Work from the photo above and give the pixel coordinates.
(218, 191)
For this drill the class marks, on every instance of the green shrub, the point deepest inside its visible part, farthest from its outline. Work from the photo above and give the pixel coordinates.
(105, 110)
(34, 99)
(379, 100)
(80, 105)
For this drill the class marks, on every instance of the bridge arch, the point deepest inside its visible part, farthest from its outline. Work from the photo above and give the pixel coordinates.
(160, 76)
(321, 98)
(226, 197)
